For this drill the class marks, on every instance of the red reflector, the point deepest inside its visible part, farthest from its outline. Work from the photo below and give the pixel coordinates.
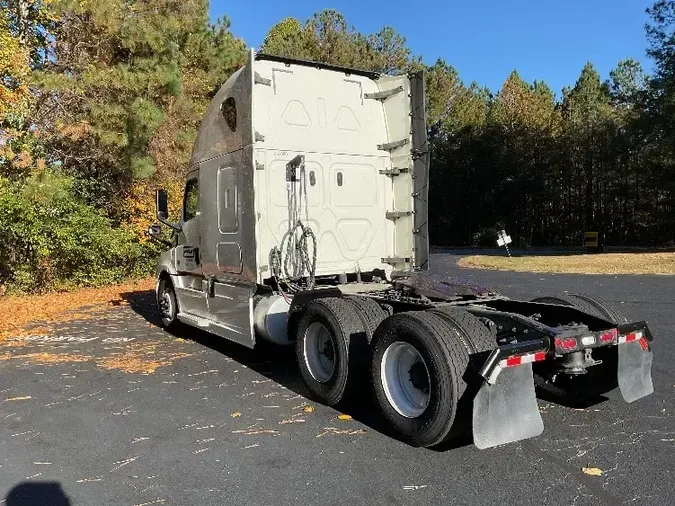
(644, 344)
(511, 361)
(523, 359)
(566, 344)
(609, 336)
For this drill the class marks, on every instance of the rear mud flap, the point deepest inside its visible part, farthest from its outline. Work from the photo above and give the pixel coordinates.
(635, 370)
(507, 411)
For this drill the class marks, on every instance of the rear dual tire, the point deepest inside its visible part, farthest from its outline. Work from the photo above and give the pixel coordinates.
(420, 373)
(330, 342)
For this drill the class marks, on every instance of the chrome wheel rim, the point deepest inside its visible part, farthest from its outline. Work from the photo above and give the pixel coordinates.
(166, 305)
(319, 352)
(405, 379)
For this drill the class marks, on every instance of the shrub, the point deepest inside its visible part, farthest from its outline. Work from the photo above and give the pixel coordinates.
(51, 239)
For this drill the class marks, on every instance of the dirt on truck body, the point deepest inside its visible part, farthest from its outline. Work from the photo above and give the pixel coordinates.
(305, 224)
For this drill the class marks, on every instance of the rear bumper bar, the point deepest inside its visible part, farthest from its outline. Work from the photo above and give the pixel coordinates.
(540, 349)
(505, 408)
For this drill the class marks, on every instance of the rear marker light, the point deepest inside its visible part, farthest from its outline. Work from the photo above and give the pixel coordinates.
(566, 344)
(644, 344)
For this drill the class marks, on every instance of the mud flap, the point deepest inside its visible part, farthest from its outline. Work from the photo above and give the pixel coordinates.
(635, 370)
(507, 411)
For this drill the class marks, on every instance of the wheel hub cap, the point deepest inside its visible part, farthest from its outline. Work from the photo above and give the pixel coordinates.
(405, 379)
(319, 352)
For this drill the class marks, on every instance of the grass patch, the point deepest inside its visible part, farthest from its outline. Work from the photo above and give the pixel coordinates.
(606, 263)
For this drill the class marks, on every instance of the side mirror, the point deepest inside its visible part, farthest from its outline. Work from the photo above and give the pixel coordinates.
(162, 203)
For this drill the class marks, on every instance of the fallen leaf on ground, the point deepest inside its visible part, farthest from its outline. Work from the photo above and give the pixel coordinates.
(51, 308)
(254, 432)
(236, 414)
(344, 417)
(308, 409)
(348, 432)
(592, 471)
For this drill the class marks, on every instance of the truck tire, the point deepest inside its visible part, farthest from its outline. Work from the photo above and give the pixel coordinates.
(599, 379)
(591, 305)
(479, 341)
(167, 303)
(369, 311)
(328, 335)
(608, 309)
(418, 367)
(476, 337)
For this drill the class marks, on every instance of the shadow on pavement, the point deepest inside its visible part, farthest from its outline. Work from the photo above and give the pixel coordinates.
(34, 493)
(277, 363)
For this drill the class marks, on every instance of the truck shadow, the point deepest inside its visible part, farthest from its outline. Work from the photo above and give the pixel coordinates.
(277, 363)
(32, 493)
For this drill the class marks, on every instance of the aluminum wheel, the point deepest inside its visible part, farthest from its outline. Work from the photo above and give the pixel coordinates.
(319, 352)
(166, 304)
(406, 380)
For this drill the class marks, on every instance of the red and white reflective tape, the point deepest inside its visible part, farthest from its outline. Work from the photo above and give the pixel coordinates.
(633, 336)
(515, 361)
(523, 359)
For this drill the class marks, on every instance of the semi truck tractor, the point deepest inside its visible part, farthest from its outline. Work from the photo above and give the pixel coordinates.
(305, 223)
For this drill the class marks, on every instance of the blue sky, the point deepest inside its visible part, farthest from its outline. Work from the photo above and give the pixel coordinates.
(484, 40)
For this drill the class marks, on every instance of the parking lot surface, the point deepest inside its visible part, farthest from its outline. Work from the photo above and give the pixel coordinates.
(110, 409)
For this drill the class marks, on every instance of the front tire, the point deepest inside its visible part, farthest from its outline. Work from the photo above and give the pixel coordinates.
(167, 303)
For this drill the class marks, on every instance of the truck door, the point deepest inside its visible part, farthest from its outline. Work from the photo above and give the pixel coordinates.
(229, 293)
(190, 292)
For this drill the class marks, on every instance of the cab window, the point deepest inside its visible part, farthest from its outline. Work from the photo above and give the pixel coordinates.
(191, 199)
(229, 110)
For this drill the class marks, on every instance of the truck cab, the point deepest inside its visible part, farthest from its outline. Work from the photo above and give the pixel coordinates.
(294, 154)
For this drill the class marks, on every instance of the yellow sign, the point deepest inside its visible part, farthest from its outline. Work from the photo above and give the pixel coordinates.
(591, 239)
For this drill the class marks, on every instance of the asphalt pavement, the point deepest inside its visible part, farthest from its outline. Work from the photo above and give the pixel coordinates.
(113, 410)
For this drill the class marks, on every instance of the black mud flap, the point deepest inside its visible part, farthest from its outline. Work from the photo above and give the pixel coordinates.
(507, 411)
(635, 369)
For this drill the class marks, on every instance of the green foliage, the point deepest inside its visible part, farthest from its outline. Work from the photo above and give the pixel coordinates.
(118, 88)
(51, 239)
(326, 37)
(124, 80)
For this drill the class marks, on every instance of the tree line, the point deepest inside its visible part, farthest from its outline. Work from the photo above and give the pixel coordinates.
(100, 102)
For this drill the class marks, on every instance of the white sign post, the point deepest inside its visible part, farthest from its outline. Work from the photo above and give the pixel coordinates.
(504, 240)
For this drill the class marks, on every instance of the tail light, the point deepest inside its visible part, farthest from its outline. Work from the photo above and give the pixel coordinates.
(609, 336)
(568, 343)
